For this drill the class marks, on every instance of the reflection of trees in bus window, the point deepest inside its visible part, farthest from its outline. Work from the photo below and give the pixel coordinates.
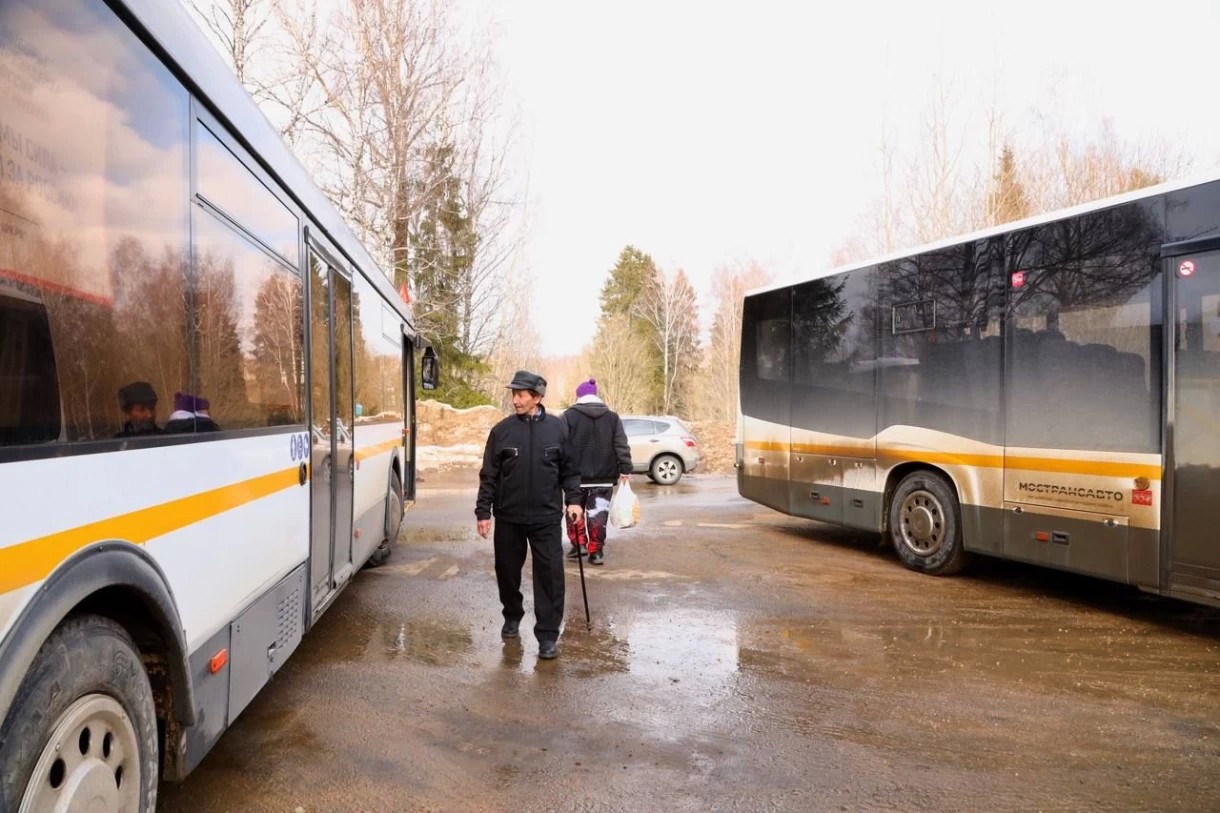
(246, 324)
(93, 196)
(942, 372)
(772, 343)
(820, 321)
(1086, 331)
(379, 376)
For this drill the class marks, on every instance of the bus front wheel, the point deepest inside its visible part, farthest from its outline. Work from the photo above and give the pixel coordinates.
(393, 522)
(82, 730)
(925, 524)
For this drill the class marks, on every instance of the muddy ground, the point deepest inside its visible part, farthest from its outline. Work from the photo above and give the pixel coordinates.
(738, 660)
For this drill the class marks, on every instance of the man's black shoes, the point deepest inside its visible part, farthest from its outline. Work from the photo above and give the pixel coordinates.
(576, 552)
(596, 558)
(548, 650)
(510, 628)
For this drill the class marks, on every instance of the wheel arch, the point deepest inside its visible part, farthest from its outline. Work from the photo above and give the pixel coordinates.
(120, 581)
(659, 455)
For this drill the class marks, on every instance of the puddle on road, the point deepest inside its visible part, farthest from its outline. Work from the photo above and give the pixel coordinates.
(684, 645)
(375, 638)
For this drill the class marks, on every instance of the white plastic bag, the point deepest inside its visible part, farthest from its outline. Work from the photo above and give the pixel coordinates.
(624, 507)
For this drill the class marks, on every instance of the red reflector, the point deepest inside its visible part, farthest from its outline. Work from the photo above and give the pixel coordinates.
(1042, 536)
(218, 661)
(689, 442)
(356, 533)
(826, 501)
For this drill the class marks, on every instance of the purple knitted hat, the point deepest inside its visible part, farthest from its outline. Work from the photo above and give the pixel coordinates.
(587, 388)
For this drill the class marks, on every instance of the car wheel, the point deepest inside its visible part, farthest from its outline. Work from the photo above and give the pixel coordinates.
(82, 733)
(666, 470)
(925, 524)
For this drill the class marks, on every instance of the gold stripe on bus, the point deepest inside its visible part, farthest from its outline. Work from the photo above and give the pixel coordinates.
(983, 461)
(834, 451)
(1091, 468)
(376, 449)
(1095, 468)
(33, 560)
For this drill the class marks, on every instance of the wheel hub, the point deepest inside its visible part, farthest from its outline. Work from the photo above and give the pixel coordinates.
(90, 763)
(922, 523)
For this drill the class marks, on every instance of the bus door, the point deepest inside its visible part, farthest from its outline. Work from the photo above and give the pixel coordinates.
(331, 423)
(1194, 443)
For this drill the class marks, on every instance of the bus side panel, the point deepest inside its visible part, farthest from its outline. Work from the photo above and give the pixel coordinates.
(763, 475)
(975, 469)
(377, 446)
(267, 535)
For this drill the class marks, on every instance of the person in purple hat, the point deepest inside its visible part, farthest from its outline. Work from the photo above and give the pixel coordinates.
(602, 455)
(190, 414)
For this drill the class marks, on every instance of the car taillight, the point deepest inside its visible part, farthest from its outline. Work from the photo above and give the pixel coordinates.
(689, 442)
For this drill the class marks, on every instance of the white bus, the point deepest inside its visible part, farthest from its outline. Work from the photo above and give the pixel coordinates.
(1047, 391)
(206, 402)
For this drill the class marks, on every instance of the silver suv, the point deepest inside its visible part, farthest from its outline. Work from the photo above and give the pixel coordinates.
(662, 446)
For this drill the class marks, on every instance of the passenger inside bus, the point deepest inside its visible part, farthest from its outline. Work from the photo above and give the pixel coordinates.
(138, 400)
(190, 414)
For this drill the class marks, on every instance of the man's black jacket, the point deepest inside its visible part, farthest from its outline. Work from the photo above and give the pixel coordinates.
(599, 443)
(527, 473)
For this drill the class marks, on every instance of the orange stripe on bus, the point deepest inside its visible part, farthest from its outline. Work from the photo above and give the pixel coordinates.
(380, 448)
(1094, 468)
(33, 560)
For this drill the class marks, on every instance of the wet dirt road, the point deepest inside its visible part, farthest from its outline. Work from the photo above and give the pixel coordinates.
(738, 660)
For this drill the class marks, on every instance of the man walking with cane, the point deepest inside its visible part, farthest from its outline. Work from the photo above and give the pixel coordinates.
(602, 456)
(526, 479)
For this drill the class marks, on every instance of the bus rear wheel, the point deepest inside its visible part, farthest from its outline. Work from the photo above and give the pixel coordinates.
(82, 732)
(925, 524)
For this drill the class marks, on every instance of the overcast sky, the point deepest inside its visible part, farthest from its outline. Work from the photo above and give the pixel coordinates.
(704, 132)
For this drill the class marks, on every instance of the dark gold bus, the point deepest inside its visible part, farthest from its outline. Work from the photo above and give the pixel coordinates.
(1046, 391)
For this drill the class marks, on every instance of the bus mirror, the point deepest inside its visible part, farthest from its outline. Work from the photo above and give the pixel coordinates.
(429, 369)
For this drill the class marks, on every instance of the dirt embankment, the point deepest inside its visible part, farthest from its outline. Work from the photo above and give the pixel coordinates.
(450, 440)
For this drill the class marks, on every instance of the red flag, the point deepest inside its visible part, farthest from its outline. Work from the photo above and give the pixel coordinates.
(406, 297)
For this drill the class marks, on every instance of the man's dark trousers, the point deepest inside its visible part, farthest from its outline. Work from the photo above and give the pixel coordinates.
(544, 541)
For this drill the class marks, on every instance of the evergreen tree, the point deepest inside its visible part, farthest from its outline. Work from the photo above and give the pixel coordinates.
(1007, 200)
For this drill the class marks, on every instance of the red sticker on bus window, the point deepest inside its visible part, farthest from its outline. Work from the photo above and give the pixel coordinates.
(1186, 269)
(1141, 497)
(1018, 279)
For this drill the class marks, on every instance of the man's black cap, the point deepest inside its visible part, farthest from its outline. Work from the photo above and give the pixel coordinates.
(525, 380)
(137, 392)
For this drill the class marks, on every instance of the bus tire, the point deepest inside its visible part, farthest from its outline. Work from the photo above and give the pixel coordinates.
(393, 522)
(82, 726)
(925, 524)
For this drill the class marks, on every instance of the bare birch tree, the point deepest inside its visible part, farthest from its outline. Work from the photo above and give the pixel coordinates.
(620, 363)
(237, 26)
(670, 307)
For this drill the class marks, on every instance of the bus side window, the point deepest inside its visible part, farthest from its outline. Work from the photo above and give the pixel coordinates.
(29, 384)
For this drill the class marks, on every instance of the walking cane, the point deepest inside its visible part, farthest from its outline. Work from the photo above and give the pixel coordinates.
(580, 561)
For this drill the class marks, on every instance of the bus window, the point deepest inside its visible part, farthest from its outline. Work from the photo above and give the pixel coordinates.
(1086, 333)
(226, 183)
(93, 223)
(248, 330)
(941, 359)
(29, 388)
